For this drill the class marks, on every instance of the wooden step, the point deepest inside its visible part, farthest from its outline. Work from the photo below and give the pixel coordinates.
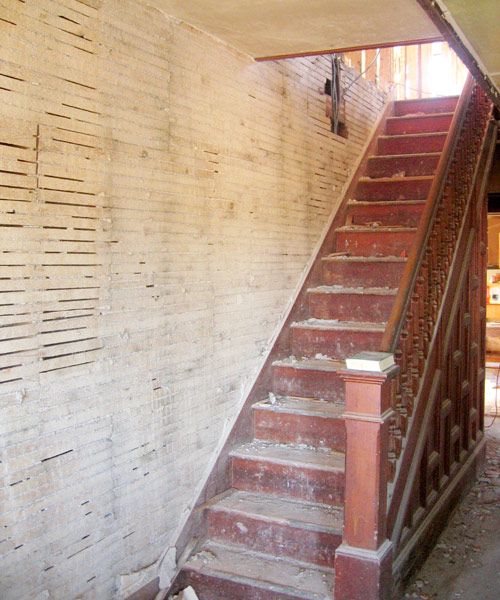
(406, 165)
(226, 572)
(360, 270)
(424, 123)
(394, 188)
(296, 420)
(289, 471)
(351, 303)
(308, 377)
(359, 240)
(334, 339)
(300, 530)
(411, 144)
(425, 105)
(393, 213)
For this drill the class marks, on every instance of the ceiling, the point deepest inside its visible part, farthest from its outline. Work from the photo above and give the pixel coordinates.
(477, 23)
(279, 28)
(270, 28)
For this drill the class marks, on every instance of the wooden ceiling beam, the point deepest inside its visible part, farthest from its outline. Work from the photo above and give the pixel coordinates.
(351, 49)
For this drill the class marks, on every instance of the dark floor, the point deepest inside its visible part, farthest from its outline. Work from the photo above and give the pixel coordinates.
(465, 563)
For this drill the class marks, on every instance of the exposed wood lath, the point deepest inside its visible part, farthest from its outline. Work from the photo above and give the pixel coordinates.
(160, 195)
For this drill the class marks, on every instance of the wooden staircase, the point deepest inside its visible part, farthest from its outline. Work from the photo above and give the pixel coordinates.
(273, 534)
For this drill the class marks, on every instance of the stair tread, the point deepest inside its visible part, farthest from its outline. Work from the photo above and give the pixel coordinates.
(288, 454)
(340, 289)
(411, 135)
(333, 324)
(314, 364)
(421, 115)
(431, 100)
(301, 406)
(404, 156)
(263, 571)
(348, 258)
(381, 228)
(405, 178)
(370, 203)
(297, 513)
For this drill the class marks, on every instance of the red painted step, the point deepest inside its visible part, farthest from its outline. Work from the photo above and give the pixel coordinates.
(392, 213)
(411, 144)
(425, 105)
(290, 472)
(362, 271)
(405, 165)
(308, 378)
(359, 240)
(225, 572)
(293, 420)
(334, 339)
(418, 123)
(353, 304)
(394, 188)
(286, 528)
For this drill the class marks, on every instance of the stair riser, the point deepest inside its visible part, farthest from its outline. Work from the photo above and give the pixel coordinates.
(410, 166)
(362, 273)
(427, 124)
(417, 106)
(287, 428)
(403, 216)
(350, 307)
(335, 344)
(411, 145)
(278, 539)
(368, 243)
(211, 587)
(307, 383)
(393, 190)
(292, 481)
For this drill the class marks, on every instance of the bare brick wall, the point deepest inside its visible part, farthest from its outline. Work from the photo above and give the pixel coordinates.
(160, 196)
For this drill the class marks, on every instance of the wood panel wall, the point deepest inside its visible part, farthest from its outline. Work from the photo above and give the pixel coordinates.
(160, 195)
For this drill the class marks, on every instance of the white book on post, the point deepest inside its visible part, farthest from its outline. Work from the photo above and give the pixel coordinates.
(370, 361)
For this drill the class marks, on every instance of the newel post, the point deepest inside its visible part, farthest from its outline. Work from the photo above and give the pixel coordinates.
(363, 562)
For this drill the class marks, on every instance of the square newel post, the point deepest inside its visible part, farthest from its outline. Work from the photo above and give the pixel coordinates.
(363, 562)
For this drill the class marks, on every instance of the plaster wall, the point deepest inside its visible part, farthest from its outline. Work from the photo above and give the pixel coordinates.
(160, 196)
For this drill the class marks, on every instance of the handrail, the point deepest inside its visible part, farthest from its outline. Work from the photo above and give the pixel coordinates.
(409, 277)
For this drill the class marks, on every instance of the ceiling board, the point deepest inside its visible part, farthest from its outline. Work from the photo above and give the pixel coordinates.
(263, 28)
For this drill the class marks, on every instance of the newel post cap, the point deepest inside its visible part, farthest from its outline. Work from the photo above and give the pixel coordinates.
(368, 393)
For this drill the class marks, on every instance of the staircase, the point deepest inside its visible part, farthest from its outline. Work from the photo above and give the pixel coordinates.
(273, 535)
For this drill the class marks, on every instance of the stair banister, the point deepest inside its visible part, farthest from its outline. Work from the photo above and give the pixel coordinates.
(431, 328)
(408, 280)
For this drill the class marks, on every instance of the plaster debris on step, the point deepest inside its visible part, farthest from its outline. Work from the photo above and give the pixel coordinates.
(187, 594)
(272, 398)
(205, 555)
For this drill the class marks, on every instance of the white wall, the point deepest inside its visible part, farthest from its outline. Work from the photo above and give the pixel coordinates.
(160, 195)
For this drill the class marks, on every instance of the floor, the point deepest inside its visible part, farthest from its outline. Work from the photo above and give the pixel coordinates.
(465, 563)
